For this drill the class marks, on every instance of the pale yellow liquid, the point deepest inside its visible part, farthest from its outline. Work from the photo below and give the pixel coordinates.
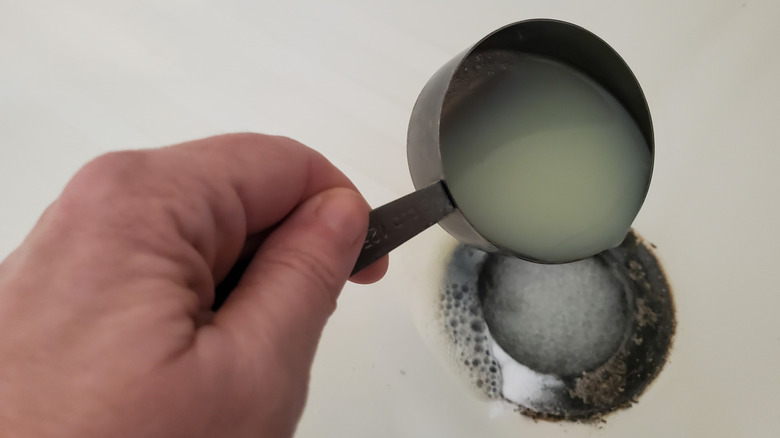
(546, 163)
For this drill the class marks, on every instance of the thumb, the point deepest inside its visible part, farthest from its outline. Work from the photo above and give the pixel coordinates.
(290, 289)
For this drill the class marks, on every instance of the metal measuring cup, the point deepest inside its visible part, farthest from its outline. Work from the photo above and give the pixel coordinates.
(398, 221)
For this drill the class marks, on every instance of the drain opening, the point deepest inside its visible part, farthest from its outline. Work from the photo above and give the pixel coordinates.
(556, 319)
(573, 341)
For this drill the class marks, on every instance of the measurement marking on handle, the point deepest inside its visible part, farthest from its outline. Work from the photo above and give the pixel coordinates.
(393, 224)
(374, 237)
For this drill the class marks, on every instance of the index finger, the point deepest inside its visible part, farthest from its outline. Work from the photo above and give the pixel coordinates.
(200, 200)
(271, 175)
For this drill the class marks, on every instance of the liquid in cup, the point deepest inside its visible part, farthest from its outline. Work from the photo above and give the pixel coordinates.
(544, 162)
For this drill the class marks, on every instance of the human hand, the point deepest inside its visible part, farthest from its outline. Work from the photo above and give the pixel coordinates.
(105, 327)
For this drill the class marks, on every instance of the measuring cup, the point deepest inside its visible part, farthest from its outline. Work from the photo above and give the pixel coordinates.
(393, 224)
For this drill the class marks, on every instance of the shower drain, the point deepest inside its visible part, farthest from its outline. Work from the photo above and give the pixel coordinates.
(573, 341)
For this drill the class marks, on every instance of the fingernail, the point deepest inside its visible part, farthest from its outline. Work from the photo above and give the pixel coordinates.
(343, 212)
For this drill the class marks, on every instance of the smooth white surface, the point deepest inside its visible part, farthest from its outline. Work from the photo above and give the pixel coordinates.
(83, 77)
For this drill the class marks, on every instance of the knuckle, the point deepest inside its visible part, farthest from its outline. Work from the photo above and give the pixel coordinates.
(252, 139)
(115, 163)
(285, 141)
(275, 142)
(109, 173)
(110, 185)
(243, 138)
(250, 144)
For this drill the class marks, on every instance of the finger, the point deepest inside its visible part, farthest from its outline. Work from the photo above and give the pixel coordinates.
(193, 204)
(269, 176)
(290, 288)
(372, 273)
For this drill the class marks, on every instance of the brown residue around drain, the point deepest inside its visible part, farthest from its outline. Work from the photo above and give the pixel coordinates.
(635, 270)
(645, 316)
(592, 396)
(603, 387)
(595, 419)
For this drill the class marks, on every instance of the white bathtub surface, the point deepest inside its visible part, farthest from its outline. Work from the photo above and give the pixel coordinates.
(83, 77)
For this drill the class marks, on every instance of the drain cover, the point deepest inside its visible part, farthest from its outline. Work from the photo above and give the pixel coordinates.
(572, 341)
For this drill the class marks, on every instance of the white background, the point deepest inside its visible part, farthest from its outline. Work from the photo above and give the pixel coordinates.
(83, 77)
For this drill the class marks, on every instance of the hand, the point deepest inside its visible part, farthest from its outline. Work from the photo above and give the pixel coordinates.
(105, 327)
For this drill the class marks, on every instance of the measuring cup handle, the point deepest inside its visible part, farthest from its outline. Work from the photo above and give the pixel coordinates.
(398, 221)
(388, 226)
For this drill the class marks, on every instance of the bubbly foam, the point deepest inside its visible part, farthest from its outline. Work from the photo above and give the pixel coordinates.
(556, 319)
(466, 331)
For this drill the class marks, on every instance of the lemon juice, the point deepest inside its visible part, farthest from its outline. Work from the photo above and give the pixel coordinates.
(546, 163)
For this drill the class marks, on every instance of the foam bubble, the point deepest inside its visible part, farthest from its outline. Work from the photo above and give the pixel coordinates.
(557, 319)
(466, 329)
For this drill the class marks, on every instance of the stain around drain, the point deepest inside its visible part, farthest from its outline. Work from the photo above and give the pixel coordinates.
(570, 342)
